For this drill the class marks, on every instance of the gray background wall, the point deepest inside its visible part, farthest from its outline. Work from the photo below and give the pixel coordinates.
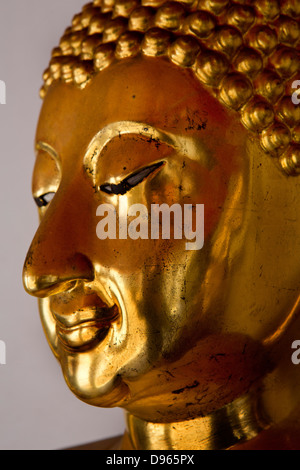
(37, 410)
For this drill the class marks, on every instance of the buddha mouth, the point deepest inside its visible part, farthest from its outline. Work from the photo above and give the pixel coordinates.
(84, 328)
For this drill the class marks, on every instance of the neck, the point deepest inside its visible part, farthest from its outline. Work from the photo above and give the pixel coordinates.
(237, 422)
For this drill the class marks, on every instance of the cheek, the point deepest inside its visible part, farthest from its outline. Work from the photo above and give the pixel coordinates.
(138, 256)
(196, 185)
(213, 193)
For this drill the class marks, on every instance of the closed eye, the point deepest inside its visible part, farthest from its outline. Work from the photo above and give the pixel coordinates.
(130, 181)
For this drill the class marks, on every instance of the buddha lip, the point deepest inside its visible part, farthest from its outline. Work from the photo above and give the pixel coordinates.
(86, 324)
(87, 328)
(82, 337)
(92, 316)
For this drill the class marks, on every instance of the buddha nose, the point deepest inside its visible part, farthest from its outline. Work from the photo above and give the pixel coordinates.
(41, 284)
(57, 257)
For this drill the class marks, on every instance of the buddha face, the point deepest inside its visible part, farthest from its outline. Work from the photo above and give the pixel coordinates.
(144, 324)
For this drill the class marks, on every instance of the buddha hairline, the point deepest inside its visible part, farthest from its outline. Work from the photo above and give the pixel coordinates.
(246, 53)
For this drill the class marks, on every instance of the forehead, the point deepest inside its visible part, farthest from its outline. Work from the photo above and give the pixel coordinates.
(148, 90)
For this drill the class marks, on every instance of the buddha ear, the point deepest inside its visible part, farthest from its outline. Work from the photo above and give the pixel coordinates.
(232, 222)
(283, 331)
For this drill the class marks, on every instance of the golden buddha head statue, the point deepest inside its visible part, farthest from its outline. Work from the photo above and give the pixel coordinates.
(188, 103)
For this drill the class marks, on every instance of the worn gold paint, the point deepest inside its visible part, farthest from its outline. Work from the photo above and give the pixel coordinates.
(184, 341)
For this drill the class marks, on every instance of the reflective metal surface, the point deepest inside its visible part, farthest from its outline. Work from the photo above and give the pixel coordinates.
(170, 335)
(236, 422)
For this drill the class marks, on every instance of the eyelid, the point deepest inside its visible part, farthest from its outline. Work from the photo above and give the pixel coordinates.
(130, 181)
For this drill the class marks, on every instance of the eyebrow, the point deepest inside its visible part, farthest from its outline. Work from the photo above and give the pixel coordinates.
(185, 145)
(50, 150)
